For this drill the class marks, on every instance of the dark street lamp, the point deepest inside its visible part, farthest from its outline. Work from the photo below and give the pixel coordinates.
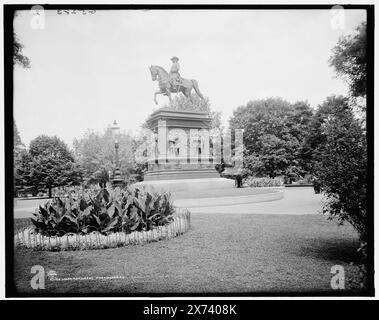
(117, 179)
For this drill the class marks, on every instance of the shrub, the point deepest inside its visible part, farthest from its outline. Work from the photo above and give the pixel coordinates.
(306, 180)
(104, 210)
(342, 168)
(342, 174)
(262, 182)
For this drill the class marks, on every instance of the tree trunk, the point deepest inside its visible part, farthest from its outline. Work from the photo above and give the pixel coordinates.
(50, 192)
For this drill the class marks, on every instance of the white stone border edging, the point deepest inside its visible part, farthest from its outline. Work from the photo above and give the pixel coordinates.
(27, 238)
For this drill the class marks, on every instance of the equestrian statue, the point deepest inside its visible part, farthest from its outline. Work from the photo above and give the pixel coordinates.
(172, 82)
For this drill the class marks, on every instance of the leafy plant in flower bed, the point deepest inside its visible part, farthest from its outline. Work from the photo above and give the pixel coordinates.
(104, 210)
(262, 182)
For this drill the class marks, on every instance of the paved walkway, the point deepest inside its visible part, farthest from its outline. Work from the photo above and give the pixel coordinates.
(24, 208)
(299, 200)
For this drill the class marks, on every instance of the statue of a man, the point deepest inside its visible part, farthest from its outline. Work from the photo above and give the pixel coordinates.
(174, 71)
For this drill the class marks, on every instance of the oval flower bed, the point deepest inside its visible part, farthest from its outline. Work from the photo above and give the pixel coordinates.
(104, 219)
(28, 238)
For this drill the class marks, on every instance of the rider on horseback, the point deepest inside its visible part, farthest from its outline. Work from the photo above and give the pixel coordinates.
(175, 78)
(172, 82)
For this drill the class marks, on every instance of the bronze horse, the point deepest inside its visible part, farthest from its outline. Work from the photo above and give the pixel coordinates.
(166, 87)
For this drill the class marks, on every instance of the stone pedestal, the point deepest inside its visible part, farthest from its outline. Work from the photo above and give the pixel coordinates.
(182, 146)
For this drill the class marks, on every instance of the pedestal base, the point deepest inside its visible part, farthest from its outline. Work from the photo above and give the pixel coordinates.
(180, 174)
(180, 185)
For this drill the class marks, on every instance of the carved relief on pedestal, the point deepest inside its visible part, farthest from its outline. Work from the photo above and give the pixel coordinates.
(177, 146)
(181, 146)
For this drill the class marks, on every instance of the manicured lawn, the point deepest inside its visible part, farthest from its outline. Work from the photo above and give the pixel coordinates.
(222, 253)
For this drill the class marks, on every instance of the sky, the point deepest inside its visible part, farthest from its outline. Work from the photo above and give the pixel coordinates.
(89, 70)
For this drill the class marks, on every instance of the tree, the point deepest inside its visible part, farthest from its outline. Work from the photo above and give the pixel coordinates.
(342, 165)
(18, 56)
(180, 102)
(49, 164)
(18, 153)
(274, 131)
(22, 173)
(16, 137)
(315, 137)
(341, 168)
(350, 60)
(96, 155)
(18, 146)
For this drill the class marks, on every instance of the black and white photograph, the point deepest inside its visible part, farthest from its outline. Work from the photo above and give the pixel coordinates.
(188, 151)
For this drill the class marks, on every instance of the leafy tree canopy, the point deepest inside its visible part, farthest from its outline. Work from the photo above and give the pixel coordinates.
(18, 152)
(16, 137)
(341, 164)
(51, 147)
(48, 163)
(96, 154)
(18, 56)
(180, 102)
(349, 59)
(274, 132)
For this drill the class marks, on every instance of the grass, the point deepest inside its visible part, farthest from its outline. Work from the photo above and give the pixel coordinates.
(221, 254)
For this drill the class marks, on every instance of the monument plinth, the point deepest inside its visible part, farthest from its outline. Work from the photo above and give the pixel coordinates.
(182, 157)
(182, 148)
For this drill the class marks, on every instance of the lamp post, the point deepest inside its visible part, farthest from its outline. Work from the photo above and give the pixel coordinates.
(117, 179)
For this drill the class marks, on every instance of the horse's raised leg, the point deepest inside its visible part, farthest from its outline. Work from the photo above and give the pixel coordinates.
(187, 93)
(169, 94)
(196, 87)
(155, 96)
